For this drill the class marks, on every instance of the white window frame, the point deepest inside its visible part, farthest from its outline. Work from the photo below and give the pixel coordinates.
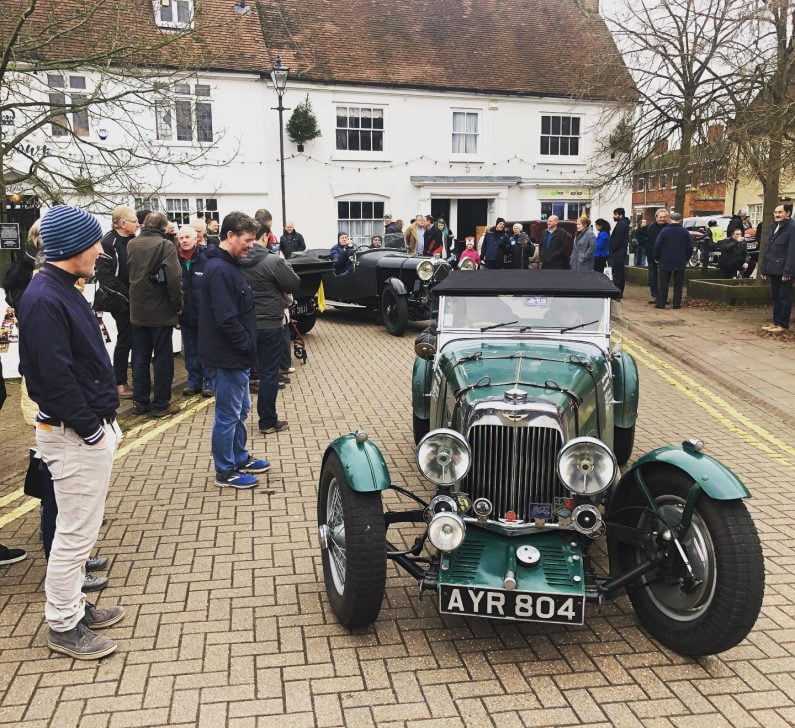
(174, 23)
(71, 91)
(359, 154)
(755, 213)
(583, 207)
(376, 222)
(147, 202)
(178, 206)
(209, 214)
(640, 183)
(547, 156)
(190, 95)
(466, 156)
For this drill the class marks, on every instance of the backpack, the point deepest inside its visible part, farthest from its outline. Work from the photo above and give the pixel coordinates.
(17, 277)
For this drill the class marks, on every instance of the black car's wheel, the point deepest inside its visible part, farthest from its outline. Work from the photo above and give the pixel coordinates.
(353, 537)
(394, 311)
(421, 428)
(722, 545)
(623, 442)
(306, 322)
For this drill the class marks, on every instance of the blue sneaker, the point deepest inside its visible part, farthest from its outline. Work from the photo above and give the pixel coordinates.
(254, 466)
(235, 480)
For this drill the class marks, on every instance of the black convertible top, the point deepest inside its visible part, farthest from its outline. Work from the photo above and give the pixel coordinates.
(574, 284)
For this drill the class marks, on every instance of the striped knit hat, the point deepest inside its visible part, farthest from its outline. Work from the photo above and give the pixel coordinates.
(67, 231)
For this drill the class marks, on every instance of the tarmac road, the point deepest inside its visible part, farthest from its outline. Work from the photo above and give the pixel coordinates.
(227, 618)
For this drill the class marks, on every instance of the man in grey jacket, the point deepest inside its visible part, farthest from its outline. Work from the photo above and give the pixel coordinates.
(155, 304)
(270, 279)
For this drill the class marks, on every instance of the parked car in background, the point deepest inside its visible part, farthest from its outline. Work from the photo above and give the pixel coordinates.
(524, 410)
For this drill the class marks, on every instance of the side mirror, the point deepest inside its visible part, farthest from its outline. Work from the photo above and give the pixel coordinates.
(425, 346)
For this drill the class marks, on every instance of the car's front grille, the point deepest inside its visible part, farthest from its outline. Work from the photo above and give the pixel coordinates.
(514, 467)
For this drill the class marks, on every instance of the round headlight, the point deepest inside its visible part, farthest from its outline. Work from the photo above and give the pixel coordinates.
(425, 270)
(443, 457)
(467, 264)
(446, 531)
(586, 466)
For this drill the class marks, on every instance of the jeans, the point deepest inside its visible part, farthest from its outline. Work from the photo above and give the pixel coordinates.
(146, 341)
(640, 256)
(190, 340)
(232, 405)
(270, 352)
(653, 277)
(781, 293)
(600, 263)
(80, 475)
(665, 280)
(121, 352)
(287, 354)
(617, 260)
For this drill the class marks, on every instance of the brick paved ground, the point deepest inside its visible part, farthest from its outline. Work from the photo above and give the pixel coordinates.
(227, 619)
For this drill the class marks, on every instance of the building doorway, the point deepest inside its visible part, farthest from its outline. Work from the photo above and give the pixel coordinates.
(471, 215)
(440, 208)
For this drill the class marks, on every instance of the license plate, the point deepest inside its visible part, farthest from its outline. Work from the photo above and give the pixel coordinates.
(517, 605)
(752, 246)
(303, 309)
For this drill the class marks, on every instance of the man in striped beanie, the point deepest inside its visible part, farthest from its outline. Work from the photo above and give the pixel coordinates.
(70, 377)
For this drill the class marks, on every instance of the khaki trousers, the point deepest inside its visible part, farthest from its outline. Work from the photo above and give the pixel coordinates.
(80, 475)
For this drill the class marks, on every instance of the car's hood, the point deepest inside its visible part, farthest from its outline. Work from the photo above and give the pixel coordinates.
(564, 374)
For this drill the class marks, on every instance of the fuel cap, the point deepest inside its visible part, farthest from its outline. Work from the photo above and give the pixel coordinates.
(528, 555)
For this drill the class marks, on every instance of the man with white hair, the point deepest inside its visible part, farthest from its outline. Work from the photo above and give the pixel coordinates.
(201, 231)
(192, 261)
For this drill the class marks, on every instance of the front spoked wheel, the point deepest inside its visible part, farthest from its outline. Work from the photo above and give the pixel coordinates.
(715, 607)
(394, 311)
(353, 539)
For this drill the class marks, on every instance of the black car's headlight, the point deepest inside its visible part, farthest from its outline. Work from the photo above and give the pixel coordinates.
(425, 270)
(586, 466)
(443, 456)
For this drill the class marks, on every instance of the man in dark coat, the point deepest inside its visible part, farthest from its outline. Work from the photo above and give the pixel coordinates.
(555, 246)
(672, 250)
(113, 289)
(155, 303)
(739, 221)
(522, 247)
(228, 350)
(619, 241)
(434, 240)
(192, 260)
(661, 220)
(292, 241)
(779, 266)
(496, 245)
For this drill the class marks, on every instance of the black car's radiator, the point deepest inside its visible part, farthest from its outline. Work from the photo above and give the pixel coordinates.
(514, 467)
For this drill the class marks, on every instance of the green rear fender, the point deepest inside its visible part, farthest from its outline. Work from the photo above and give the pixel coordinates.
(625, 389)
(363, 462)
(421, 387)
(713, 478)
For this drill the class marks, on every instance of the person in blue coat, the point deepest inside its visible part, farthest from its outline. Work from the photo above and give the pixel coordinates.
(779, 266)
(672, 250)
(192, 261)
(601, 252)
(341, 254)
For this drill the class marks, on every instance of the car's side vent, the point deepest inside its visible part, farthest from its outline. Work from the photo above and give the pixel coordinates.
(464, 561)
(555, 564)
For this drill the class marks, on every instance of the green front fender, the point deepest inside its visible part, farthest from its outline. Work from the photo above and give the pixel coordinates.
(713, 478)
(363, 462)
(421, 387)
(626, 387)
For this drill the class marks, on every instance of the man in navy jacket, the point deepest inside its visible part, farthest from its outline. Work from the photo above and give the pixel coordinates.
(70, 377)
(192, 262)
(672, 250)
(619, 241)
(228, 349)
(779, 266)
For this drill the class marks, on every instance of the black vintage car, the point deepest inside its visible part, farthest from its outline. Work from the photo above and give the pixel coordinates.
(310, 270)
(391, 282)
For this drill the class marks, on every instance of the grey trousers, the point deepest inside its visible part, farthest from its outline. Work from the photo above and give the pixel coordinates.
(80, 476)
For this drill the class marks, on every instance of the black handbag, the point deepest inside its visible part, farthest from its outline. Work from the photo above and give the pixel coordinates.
(37, 476)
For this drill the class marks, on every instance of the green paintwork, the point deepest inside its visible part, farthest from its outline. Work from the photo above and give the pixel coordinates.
(565, 374)
(626, 388)
(485, 556)
(363, 462)
(421, 387)
(712, 477)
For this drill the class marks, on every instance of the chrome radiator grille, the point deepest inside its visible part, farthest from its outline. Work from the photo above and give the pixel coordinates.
(514, 467)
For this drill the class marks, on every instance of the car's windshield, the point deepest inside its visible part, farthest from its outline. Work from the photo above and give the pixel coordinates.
(529, 312)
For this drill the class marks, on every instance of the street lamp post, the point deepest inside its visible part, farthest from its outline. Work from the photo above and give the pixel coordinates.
(279, 79)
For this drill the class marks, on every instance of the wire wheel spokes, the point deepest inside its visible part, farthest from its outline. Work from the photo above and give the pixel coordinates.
(336, 538)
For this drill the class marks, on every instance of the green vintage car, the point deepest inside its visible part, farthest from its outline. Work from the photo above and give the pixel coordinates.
(524, 411)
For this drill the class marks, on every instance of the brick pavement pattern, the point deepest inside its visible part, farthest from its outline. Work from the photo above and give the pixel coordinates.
(228, 623)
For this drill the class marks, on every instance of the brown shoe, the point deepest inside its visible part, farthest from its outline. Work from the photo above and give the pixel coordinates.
(139, 408)
(172, 409)
(124, 392)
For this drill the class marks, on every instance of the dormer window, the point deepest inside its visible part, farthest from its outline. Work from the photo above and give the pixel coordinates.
(173, 14)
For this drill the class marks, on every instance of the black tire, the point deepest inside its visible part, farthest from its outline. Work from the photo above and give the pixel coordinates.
(421, 428)
(623, 442)
(306, 322)
(355, 584)
(721, 612)
(394, 311)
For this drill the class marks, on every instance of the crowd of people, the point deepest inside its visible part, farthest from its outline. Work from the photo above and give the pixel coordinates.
(228, 289)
